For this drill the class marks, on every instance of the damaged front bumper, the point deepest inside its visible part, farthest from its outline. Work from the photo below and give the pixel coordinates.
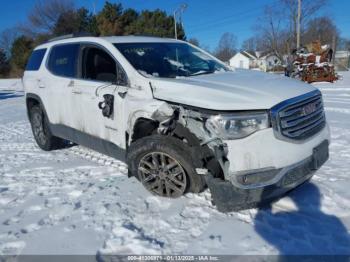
(228, 197)
(254, 168)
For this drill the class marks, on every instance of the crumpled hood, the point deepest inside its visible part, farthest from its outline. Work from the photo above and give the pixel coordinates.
(236, 90)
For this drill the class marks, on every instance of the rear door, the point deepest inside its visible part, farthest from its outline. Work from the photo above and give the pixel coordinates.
(32, 79)
(101, 82)
(62, 65)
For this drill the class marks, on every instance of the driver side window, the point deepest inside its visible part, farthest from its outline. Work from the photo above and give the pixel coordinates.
(98, 65)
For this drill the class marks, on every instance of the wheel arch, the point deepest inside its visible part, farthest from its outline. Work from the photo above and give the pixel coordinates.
(143, 127)
(153, 119)
(33, 99)
(203, 155)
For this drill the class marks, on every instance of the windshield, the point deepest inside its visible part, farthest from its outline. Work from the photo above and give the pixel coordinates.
(169, 60)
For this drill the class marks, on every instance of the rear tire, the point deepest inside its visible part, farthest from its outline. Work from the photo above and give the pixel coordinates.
(41, 131)
(164, 165)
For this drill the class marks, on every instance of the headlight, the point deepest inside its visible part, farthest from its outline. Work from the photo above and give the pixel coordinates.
(235, 126)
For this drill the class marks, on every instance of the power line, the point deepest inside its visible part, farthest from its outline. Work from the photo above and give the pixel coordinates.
(227, 18)
(215, 25)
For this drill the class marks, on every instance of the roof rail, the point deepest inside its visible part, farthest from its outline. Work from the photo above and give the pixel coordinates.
(70, 36)
(148, 35)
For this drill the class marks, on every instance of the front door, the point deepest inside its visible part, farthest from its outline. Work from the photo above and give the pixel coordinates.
(99, 95)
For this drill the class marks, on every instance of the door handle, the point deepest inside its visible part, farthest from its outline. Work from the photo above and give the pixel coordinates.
(40, 84)
(77, 92)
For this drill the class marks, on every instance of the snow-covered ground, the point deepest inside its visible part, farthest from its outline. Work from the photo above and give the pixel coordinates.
(76, 201)
(14, 84)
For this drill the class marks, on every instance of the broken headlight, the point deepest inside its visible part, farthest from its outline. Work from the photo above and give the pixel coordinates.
(235, 126)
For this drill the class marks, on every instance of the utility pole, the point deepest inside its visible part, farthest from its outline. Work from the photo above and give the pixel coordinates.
(334, 47)
(175, 24)
(179, 11)
(298, 24)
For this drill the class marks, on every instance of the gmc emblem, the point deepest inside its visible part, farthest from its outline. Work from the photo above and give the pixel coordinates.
(308, 109)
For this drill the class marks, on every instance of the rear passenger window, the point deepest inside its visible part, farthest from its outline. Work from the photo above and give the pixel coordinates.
(35, 60)
(63, 60)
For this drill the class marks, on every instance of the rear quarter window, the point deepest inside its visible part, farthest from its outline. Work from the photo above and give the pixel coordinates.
(35, 60)
(63, 60)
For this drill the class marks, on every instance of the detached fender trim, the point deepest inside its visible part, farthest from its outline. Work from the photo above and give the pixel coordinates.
(228, 197)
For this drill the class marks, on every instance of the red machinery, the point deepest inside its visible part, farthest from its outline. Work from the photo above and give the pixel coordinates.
(313, 63)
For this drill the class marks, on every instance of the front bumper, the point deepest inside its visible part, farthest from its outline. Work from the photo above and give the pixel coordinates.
(228, 197)
(262, 150)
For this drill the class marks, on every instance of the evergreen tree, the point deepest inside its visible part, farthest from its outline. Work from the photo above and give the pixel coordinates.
(112, 20)
(156, 23)
(20, 52)
(128, 17)
(75, 21)
(87, 21)
(4, 64)
(56, 18)
(67, 23)
(108, 19)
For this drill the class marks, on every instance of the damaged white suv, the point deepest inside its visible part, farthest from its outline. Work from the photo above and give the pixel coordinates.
(179, 117)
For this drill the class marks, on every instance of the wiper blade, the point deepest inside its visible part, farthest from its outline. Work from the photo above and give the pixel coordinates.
(202, 73)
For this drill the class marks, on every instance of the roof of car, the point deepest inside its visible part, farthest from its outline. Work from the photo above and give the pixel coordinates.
(111, 39)
(136, 39)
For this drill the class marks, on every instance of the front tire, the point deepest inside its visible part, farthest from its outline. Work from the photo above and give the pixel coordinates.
(41, 131)
(164, 165)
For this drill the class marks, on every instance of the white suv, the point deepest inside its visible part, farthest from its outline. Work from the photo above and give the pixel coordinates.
(179, 117)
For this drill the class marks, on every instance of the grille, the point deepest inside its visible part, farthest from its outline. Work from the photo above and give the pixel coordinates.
(300, 118)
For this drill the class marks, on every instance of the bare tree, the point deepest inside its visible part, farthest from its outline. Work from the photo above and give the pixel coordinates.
(322, 29)
(277, 28)
(270, 29)
(308, 10)
(250, 44)
(7, 37)
(194, 41)
(45, 14)
(227, 47)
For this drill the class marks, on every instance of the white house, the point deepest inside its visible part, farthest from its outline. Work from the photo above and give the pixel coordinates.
(248, 60)
(268, 62)
(243, 59)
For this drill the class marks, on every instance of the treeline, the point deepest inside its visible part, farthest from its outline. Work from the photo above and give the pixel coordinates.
(52, 18)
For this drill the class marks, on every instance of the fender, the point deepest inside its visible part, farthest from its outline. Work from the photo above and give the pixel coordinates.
(37, 98)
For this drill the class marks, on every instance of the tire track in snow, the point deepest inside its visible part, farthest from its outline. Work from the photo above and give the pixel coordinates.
(338, 110)
(72, 194)
(93, 194)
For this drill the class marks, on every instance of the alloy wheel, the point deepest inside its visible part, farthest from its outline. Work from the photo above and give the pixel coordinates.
(162, 175)
(38, 127)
